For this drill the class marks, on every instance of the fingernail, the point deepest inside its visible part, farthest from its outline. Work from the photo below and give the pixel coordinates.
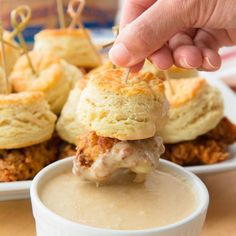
(119, 54)
(208, 62)
(184, 63)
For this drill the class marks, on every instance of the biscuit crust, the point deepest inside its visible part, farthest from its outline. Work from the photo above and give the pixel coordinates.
(25, 120)
(126, 111)
(195, 108)
(54, 77)
(70, 44)
(68, 126)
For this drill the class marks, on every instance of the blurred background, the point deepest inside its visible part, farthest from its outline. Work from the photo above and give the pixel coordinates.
(99, 16)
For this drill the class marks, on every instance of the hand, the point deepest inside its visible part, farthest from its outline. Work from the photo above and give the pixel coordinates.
(186, 33)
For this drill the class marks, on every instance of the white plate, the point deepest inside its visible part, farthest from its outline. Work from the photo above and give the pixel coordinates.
(20, 190)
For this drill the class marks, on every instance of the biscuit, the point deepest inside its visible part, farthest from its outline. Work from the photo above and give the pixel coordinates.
(12, 54)
(68, 127)
(195, 108)
(174, 72)
(126, 111)
(54, 77)
(25, 120)
(70, 44)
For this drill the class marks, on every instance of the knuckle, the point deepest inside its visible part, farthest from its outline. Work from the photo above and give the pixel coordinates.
(187, 11)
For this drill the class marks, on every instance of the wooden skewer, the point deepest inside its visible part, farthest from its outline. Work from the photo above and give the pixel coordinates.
(76, 14)
(127, 72)
(22, 13)
(4, 61)
(76, 20)
(60, 13)
(116, 30)
(108, 45)
(10, 45)
(12, 35)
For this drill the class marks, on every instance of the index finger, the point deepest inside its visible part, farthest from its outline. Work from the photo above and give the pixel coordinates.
(133, 9)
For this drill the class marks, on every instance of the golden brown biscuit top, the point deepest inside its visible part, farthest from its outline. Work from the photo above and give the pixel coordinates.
(185, 90)
(176, 69)
(113, 80)
(21, 98)
(40, 61)
(107, 65)
(48, 72)
(59, 33)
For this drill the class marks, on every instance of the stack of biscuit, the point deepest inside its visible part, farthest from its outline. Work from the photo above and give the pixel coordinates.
(70, 44)
(122, 119)
(53, 76)
(41, 82)
(197, 131)
(26, 142)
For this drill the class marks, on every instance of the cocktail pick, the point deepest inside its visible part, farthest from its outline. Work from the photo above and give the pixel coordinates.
(4, 62)
(108, 45)
(126, 76)
(10, 44)
(75, 9)
(19, 19)
(115, 30)
(60, 13)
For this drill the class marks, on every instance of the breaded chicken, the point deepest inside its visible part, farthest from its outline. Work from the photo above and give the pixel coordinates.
(66, 150)
(90, 147)
(224, 132)
(207, 149)
(25, 163)
(99, 158)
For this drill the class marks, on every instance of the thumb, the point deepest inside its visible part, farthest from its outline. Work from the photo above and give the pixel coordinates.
(150, 31)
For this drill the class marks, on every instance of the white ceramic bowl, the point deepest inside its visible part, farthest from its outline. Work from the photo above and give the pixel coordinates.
(50, 224)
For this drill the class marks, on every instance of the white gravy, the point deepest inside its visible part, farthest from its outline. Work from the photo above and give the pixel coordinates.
(163, 199)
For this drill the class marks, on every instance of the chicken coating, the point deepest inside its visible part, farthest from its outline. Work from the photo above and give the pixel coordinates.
(25, 163)
(100, 158)
(66, 150)
(207, 149)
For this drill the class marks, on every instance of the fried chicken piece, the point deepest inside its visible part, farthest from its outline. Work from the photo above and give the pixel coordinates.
(99, 158)
(207, 149)
(66, 150)
(224, 132)
(90, 147)
(25, 163)
(196, 152)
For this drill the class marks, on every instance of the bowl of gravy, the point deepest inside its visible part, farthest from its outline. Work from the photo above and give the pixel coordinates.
(171, 202)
